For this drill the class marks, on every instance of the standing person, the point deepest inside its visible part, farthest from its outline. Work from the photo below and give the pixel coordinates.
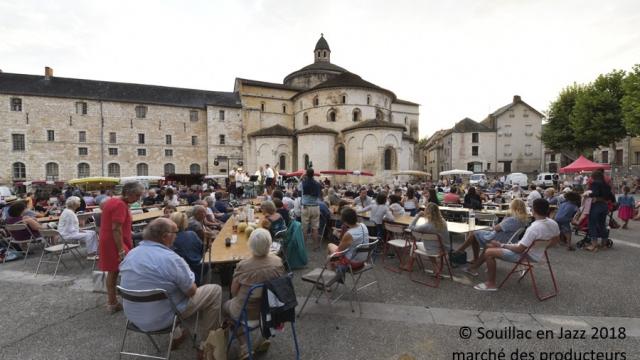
(115, 237)
(601, 194)
(269, 176)
(627, 203)
(311, 194)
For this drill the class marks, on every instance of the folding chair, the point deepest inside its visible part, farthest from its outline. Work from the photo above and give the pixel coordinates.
(526, 265)
(61, 248)
(398, 242)
(248, 325)
(356, 274)
(516, 236)
(322, 279)
(14, 228)
(486, 219)
(86, 221)
(441, 257)
(146, 296)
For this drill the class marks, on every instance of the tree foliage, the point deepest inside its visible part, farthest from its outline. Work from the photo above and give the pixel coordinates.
(557, 135)
(631, 101)
(597, 114)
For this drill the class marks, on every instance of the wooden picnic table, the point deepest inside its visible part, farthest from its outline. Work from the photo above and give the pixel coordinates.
(219, 253)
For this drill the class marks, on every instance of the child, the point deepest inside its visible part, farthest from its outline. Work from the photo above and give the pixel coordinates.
(626, 203)
(566, 212)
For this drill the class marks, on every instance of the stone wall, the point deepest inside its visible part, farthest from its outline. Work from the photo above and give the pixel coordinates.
(512, 130)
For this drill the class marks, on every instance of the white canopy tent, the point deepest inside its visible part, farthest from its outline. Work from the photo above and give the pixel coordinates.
(456, 172)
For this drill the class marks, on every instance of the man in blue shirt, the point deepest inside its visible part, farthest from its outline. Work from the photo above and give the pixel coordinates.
(154, 265)
(311, 194)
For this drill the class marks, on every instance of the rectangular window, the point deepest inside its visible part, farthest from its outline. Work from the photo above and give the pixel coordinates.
(637, 158)
(142, 152)
(81, 108)
(113, 151)
(140, 138)
(552, 157)
(528, 130)
(83, 151)
(194, 140)
(82, 136)
(222, 139)
(193, 115)
(112, 138)
(475, 138)
(526, 113)
(18, 142)
(51, 135)
(221, 114)
(141, 112)
(262, 107)
(605, 157)
(507, 149)
(284, 109)
(168, 152)
(507, 130)
(511, 114)
(16, 104)
(528, 149)
(619, 155)
(474, 150)
(488, 166)
(168, 139)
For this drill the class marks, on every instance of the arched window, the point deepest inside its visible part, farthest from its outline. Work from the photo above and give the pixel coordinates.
(389, 159)
(305, 119)
(194, 169)
(19, 171)
(406, 120)
(344, 99)
(341, 161)
(316, 101)
(284, 108)
(324, 53)
(356, 114)
(379, 115)
(368, 99)
(51, 171)
(306, 161)
(263, 106)
(113, 170)
(142, 169)
(331, 115)
(83, 170)
(283, 162)
(169, 169)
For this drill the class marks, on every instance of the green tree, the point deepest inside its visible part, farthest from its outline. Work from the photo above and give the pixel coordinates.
(596, 118)
(631, 101)
(557, 135)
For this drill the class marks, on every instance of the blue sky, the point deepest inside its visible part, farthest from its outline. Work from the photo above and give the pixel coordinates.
(457, 59)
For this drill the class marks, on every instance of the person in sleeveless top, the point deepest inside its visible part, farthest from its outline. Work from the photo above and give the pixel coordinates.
(355, 235)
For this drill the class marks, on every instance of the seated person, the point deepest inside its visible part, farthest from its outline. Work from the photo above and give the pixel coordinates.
(451, 197)
(282, 211)
(69, 227)
(497, 198)
(168, 210)
(17, 214)
(332, 197)
(566, 211)
(197, 224)
(355, 235)
(550, 195)
(542, 228)
(150, 199)
(210, 218)
(395, 206)
(362, 200)
(434, 224)
(223, 207)
(472, 200)
(378, 213)
(502, 232)
(153, 265)
(188, 245)
(276, 221)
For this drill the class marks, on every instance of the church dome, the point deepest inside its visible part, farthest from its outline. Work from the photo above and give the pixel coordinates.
(319, 71)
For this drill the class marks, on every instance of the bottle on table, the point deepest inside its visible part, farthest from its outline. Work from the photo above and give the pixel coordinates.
(472, 219)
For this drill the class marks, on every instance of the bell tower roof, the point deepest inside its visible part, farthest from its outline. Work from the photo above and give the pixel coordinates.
(322, 53)
(322, 44)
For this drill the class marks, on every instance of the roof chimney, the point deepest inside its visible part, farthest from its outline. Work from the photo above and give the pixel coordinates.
(516, 98)
(48, 73)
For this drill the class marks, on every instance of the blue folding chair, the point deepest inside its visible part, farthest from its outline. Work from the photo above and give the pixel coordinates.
(243, 321)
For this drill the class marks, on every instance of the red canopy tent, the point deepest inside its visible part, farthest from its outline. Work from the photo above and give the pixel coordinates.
(346, 172)
(583, 164)
(299, 173)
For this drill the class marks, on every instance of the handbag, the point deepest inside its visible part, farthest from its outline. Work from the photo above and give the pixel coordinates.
(215, 347)
(99, 280)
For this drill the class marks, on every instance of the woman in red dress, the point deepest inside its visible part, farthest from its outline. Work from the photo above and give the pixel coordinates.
(115, 237)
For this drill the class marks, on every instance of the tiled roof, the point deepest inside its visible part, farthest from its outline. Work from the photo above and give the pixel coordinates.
(468, 125)
(34, 85)
(266, 84)
(275, 130)
(488, 121)
(315, 129)
(374, 123)
(405, 102)
(322, 44)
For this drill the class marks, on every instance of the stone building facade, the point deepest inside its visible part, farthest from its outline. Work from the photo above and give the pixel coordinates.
(60, 128)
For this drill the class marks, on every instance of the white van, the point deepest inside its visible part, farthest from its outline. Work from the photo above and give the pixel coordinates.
(478, 180)
(6, 194)
(545, 180)
(519, 179)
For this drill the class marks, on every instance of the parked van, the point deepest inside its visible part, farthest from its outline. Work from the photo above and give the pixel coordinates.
(6, 194)
(478, 180)
(546, 180)
(519, 179)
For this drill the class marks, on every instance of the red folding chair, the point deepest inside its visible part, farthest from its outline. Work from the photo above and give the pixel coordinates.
(440, 255)
(399, 243)
(526, 265)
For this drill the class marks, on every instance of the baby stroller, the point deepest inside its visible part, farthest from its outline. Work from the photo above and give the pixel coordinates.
(581, 225)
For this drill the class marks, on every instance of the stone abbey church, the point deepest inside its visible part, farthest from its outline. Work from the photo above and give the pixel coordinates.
(62, 128)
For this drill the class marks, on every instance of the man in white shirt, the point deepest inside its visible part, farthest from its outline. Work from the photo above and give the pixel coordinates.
(542, 228)
(533, 195)
(269, 177)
